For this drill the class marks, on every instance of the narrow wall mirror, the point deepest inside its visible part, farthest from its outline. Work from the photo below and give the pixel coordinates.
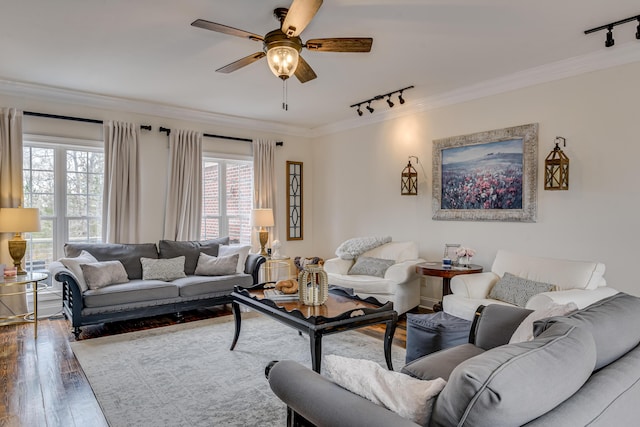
(294, 200)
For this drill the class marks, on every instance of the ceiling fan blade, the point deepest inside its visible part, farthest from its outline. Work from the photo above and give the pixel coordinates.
(304, 72)
(229, 68)
(208, 25)
(340, 45)
(300, 14)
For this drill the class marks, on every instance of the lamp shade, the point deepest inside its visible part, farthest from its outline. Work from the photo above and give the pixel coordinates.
(262, 218)
(19, 220)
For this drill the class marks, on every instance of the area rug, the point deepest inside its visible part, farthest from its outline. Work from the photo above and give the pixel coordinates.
(185, 375)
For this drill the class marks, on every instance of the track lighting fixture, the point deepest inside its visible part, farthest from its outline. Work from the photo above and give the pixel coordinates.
(390, 103)
(609, 27)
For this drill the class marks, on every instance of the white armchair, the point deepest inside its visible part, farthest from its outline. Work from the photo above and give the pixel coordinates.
(581, 282)
(400, 283)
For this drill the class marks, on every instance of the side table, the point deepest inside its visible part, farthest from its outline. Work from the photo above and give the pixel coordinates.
(436, 269)
(17, 285)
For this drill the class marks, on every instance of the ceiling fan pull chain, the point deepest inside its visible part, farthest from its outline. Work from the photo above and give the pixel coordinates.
(285, 106)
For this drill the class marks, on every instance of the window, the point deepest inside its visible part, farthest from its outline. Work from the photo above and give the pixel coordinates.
(227, 199)
(63, 178)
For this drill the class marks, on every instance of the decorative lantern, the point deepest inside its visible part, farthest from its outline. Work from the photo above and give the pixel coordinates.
(409, 180)
(556, 168)
(313, 285)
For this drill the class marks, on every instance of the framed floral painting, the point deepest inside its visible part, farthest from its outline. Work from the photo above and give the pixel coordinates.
(487, 176)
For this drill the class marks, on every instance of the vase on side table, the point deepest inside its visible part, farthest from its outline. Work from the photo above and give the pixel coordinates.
(464, 261)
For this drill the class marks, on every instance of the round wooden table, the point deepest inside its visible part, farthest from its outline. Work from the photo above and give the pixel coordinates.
(436, 269)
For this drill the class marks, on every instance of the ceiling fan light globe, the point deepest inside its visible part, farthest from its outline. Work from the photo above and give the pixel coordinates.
(283, 61)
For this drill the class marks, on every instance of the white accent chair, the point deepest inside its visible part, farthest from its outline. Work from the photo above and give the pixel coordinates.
(581, 282)
(400, 283)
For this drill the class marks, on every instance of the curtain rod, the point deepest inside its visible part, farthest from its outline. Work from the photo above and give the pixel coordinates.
(74, 119)
(210, 135)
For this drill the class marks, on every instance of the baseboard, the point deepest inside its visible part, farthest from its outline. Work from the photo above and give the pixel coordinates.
(427, 302)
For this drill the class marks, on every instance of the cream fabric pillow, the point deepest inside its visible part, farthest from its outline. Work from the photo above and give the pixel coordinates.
(209, 265)
(524, 332)
(166, 269)
(101, 274)
(243, 251)
(407, 396)
(73, 264)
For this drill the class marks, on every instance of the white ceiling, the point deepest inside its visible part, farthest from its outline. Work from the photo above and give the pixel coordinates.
(146, 50)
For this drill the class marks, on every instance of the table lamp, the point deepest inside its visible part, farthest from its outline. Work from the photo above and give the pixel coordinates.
(19, 220)
(262, 218)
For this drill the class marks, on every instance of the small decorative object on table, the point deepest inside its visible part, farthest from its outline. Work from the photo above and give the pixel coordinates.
(464, 256)
(313, 285)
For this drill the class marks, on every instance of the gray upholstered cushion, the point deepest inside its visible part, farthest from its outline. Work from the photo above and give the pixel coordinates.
(516, 383)
(517, 290)
(128, 254)
(101, 274)
(216, 266)
(192, 286)
(162, 269)
(134, 291)
(191, 250)
(441, 363)
(241, 250)
(368, 266)
(612, 321)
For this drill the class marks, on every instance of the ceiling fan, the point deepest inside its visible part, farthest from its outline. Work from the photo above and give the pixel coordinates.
(282, 46)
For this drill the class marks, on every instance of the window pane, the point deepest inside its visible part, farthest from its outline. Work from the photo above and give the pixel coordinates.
(76, 206)
(43, 201)
(41, 182)
(239, 230)
(211, 189)
(77, 161)
(78, 230)
(76, 183)
(210, 228)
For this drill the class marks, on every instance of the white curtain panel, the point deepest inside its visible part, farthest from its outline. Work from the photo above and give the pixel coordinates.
(264, 183)
(183, 211)
(120, 212)
(11, 194)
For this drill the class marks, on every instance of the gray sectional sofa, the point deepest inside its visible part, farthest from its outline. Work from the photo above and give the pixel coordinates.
(580, 369)
(142, 298)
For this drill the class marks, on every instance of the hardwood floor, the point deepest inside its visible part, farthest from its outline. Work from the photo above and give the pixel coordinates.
(42, 384)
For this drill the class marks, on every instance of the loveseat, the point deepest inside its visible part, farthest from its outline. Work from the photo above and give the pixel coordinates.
(581, 369)
(580, 282)
(137, 296)
(398, 282)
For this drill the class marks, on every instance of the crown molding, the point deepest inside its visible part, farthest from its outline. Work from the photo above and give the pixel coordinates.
(602, 59)
(624, 54)
(87, 99)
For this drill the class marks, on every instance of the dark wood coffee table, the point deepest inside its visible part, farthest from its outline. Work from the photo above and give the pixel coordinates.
(339, 313)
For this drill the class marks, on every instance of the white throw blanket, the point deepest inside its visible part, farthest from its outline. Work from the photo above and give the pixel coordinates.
(352, 248)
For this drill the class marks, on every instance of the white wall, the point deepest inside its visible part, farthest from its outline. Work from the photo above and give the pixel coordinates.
(357, 177)
(154, 158)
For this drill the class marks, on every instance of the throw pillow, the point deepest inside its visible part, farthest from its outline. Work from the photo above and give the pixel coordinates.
(524, 332)
(518, 290)
(101, 274)
(242, 251)
(163, 269)
(407, 396)
(216, 266)
(191, 249)
(73, 264)
(367, 266)
(352, 248)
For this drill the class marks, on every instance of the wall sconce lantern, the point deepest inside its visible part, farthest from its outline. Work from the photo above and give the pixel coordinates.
(556, 168)
(409, 179)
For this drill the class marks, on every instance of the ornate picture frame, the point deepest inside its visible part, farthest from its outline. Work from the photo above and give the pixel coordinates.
(487, 176)
(295, 217)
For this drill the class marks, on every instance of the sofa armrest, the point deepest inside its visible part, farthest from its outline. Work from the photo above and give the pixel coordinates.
(494, 324)
(337, 265)
(402, 272)
(324, 403)
(71, 293)
(475, 286)
(252, 265)
(581, 297)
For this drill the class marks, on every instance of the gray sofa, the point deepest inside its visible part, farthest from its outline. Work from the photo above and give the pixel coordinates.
(580, 369)
(139, 298)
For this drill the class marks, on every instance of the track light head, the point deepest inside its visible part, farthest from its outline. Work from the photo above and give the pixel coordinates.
(638, 29)
(400, 98)
(359, 110)
(391, 104)
(610, 41)
(371, 110)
